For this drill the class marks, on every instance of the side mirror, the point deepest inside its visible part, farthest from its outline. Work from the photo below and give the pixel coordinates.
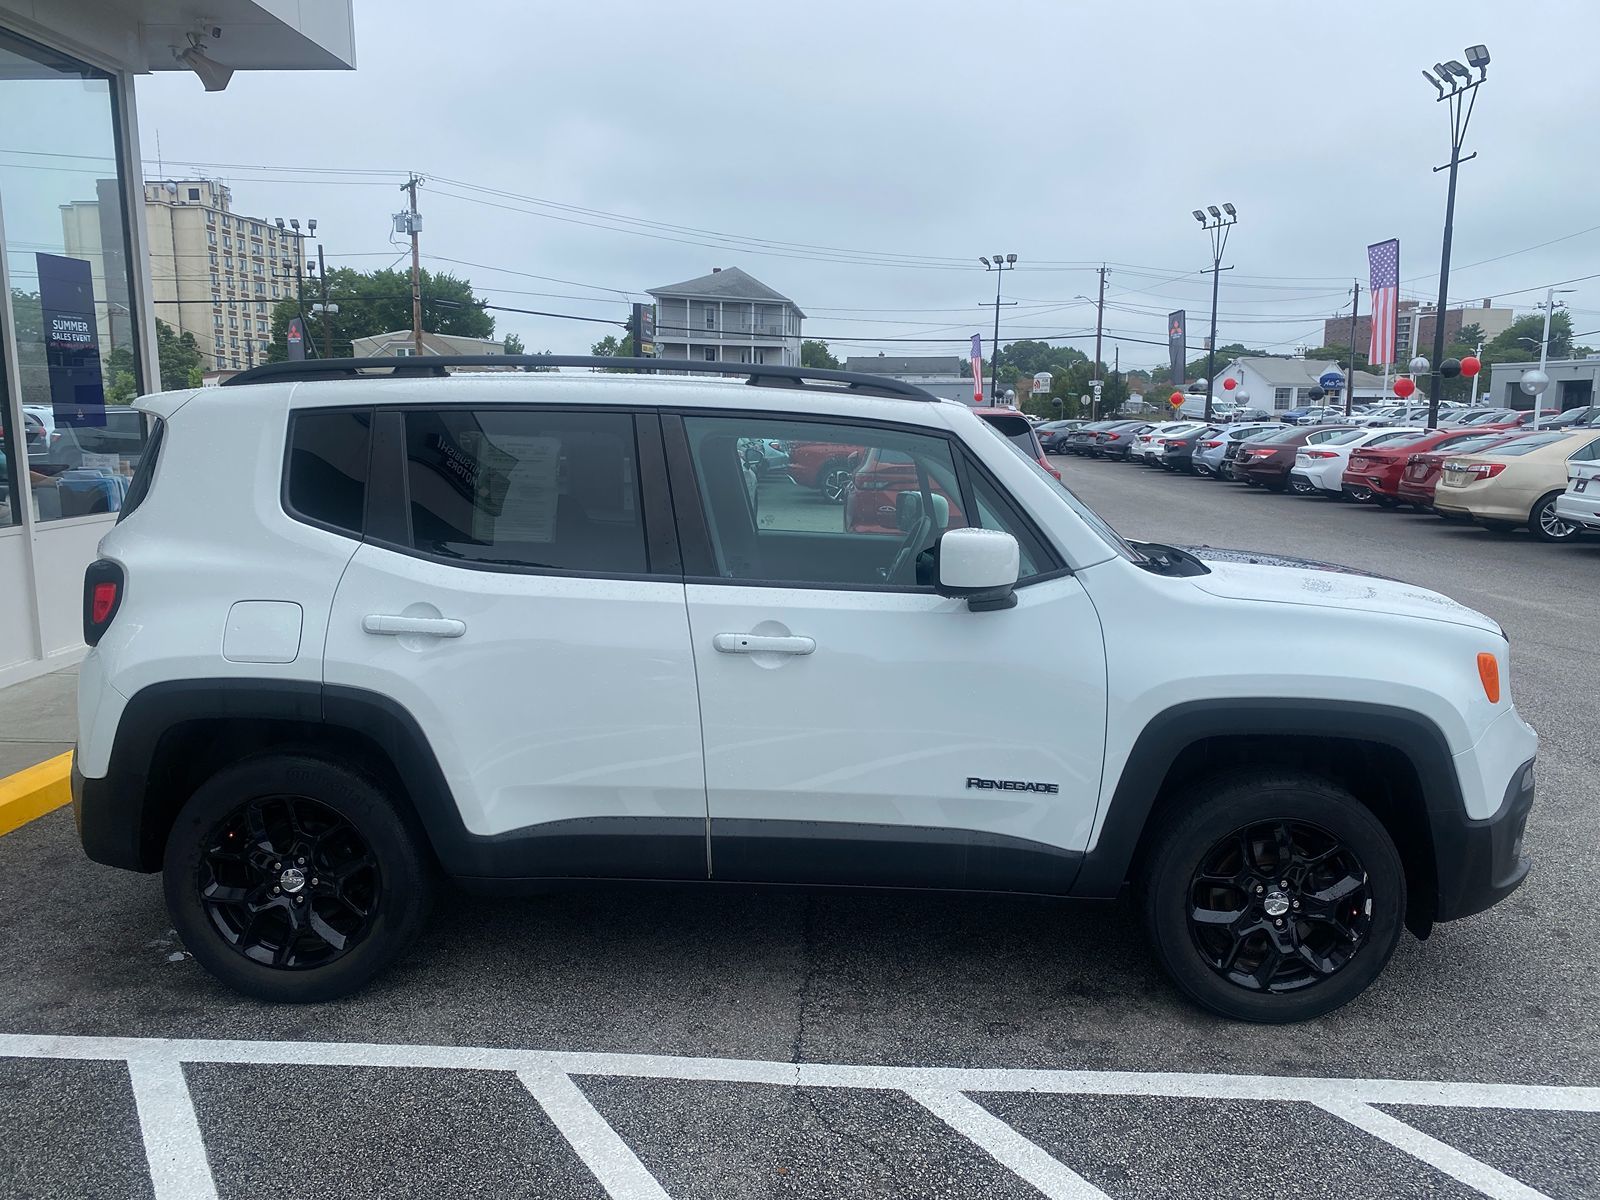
(979, 566)
(908, 511)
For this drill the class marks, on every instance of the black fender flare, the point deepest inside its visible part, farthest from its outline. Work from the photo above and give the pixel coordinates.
(1107, 865)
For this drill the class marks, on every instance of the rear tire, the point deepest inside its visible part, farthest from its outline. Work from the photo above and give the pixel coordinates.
(293, 878)
(833, 481)
(1226, 850)
(1546, 526)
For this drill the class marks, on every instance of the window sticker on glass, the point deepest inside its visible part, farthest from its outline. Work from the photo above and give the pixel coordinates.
(517, 486)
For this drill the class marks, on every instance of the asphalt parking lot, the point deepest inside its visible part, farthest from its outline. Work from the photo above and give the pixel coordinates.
(699, 1044)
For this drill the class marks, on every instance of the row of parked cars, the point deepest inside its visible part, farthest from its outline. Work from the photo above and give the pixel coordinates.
(1491, 466)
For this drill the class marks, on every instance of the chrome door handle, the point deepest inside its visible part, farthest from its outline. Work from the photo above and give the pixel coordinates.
(445, 627)
(753, 643)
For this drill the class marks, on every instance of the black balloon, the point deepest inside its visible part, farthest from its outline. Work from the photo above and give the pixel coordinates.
(1315, 394)
(1450, 368)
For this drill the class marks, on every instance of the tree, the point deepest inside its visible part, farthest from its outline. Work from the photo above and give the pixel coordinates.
(1510, 346)
(373, 302)
(1161, 377)
(816, 355)
(513, 344)
(611, 346)
(180, 357)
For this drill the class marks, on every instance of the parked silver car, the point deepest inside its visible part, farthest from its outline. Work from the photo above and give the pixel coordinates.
(1210, 456)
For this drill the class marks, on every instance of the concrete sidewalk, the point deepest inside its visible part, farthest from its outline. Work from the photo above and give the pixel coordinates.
(38, 720)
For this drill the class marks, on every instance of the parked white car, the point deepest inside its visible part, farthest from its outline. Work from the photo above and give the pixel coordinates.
(524, 629)
(1147, 447)
(1580, 504)
(1320, 468)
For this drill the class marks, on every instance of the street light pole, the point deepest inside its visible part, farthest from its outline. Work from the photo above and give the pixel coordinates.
(1454, 84)
(1550, 303)
(1002, 262)
(1217, 227)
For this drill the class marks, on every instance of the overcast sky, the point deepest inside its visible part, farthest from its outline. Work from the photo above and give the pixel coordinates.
(913, 137)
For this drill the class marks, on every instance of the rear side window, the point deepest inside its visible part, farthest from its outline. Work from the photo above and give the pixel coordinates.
(327, 482)
(139, 485)
(526, 488)
(1524, 445)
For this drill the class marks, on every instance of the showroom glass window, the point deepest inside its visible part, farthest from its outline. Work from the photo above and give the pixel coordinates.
(66, 251)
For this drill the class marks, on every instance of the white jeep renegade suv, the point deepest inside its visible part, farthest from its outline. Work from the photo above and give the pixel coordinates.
(358, 629)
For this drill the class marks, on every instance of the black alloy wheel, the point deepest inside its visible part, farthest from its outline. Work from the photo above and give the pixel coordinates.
(289, 883)
(1279, 906)
(295, 876)
(1272, 894)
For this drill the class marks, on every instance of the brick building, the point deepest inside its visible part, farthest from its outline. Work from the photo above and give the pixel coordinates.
(1414, 326)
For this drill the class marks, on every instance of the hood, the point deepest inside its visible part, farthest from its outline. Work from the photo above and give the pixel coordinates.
(1277, 579)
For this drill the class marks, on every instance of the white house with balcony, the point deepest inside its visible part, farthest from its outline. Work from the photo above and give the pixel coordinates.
(727, 316)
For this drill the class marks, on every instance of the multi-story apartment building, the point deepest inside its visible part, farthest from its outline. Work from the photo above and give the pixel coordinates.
(217, 274)
(727, 316)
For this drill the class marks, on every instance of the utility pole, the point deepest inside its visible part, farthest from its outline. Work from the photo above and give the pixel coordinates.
(1099, 326)
(327, 332)
(1544, 351)
(1479, 353)
(1218, 228)
(414, 227)
(1350, 380)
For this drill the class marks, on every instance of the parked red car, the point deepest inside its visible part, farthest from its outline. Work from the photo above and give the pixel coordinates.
(1378, 469)
(875, 489)
(826, 466)
(1265, 462)
(1420, 476)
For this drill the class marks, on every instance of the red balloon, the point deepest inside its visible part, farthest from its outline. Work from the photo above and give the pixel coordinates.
(1175, 399)
(1229, 384)
(1470, 366)
(1403, 387)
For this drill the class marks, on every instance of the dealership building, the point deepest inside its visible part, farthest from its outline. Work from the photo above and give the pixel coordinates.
(77, 312)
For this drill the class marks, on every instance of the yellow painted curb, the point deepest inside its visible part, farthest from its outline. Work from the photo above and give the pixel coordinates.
(34, 791)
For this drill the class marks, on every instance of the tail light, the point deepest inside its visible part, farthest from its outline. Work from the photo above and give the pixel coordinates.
(1263, 453)
(1320, 453)
(1176, 445)
(1111, 437)
(1209, 445)
(1477, 470)
(102, 595)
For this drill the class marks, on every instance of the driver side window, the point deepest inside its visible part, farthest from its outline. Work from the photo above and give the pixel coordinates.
(816, 503)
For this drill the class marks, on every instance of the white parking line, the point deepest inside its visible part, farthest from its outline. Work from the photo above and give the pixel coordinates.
(172, 1143)
(601, 1147)
(177, 1153)
(1018, 1154)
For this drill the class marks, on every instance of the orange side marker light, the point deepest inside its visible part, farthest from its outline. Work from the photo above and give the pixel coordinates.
(1489, 673)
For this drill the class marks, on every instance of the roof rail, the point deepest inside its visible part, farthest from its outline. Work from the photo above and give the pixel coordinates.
(437, 365)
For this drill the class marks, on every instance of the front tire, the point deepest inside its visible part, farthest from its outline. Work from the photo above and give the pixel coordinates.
(293, 878)
(1272, 896)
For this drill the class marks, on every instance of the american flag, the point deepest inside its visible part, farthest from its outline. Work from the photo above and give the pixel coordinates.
(1384, 260)
(977, 368)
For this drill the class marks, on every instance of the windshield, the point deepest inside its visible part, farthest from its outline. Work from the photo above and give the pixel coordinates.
(1090, 518)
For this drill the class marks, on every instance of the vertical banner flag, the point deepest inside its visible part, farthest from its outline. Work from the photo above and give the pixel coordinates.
(71, 339)
(1177, 345)
(295, 340)
(1384, 260)
(977, 368)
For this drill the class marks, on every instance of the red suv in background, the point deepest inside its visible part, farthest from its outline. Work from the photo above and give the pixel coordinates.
(1265, 462)
(874, 492)
(1379, 468)
(826, 466)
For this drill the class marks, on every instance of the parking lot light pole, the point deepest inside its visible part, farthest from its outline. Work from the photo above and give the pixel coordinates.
(1459, 90)
(1540, 379)
(1217, 227)
(1002, 263)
